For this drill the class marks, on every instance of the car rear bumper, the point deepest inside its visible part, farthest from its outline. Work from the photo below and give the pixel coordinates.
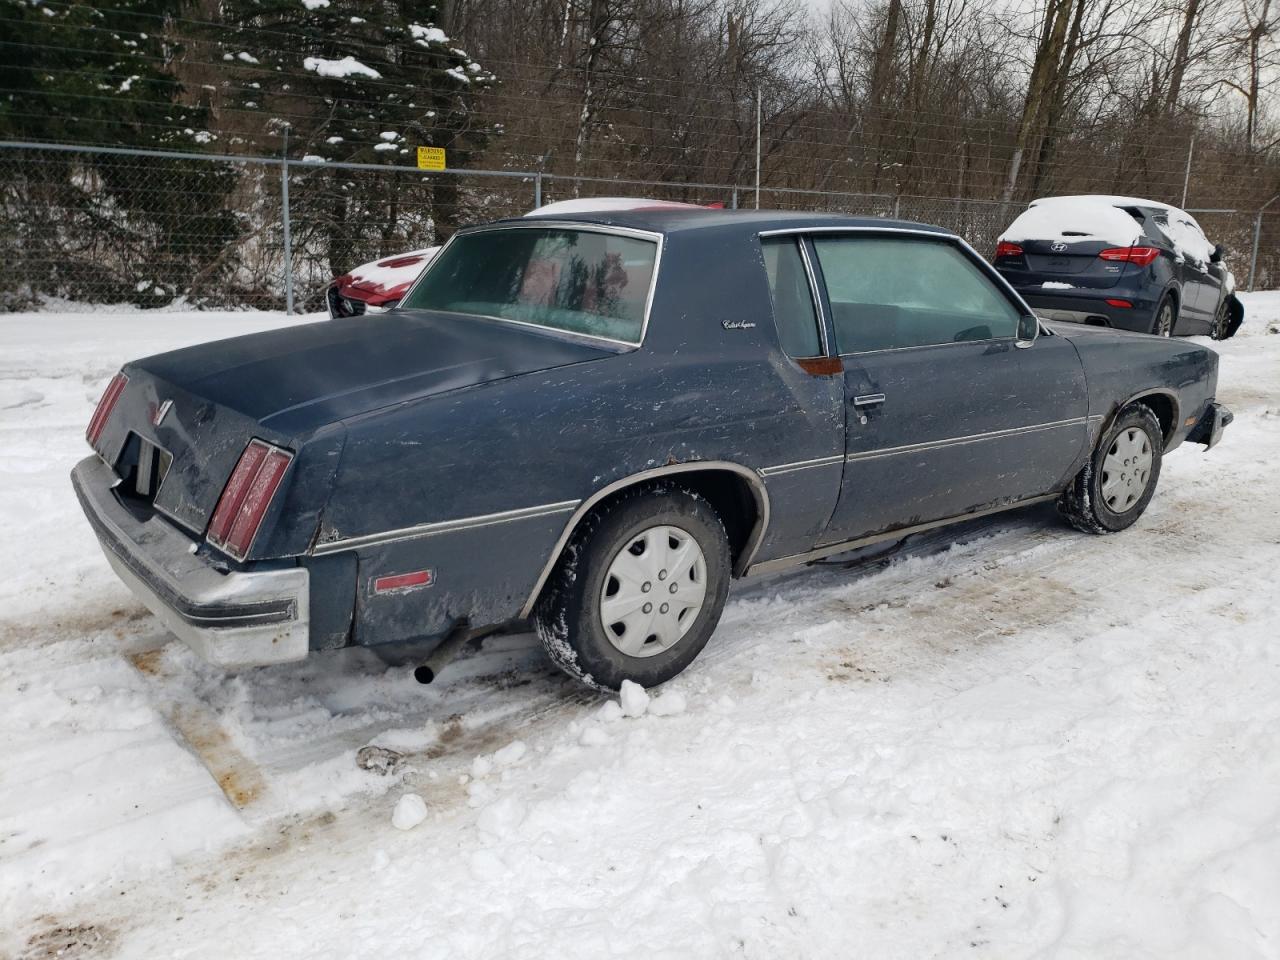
(1091, 307)
(1208, 430)
(232, 618)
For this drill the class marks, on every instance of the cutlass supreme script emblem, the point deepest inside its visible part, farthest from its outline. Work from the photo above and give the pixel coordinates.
(737, 324)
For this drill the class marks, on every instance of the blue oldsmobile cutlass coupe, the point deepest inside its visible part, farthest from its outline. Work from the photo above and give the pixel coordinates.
(596, 421)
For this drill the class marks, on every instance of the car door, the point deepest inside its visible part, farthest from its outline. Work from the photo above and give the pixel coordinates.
(947, 410)
(1191, 253)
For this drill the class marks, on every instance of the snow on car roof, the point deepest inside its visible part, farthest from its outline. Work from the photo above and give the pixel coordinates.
(1074, 218)
(594, 204)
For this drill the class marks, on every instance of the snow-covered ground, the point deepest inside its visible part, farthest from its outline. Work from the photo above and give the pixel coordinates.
(1006, 740)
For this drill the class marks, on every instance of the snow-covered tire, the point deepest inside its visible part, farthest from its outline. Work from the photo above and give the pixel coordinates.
(568, 615)
(1085, 503)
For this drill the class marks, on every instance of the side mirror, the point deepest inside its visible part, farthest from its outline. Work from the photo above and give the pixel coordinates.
(1219, 251)
(1028, 330)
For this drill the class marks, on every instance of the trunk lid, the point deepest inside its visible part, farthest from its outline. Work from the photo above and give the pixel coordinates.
(200, 406)
(298, 378)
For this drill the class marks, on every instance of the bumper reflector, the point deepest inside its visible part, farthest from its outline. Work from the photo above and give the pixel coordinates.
(403, 581)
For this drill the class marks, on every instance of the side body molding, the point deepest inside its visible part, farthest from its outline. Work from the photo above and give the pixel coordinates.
(754, 483)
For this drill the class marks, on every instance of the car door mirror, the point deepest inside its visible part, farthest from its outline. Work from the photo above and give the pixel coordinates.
(1028, 329)
(1219, 251)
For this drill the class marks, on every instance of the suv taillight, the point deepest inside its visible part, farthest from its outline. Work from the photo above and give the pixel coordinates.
(1006, 249)
(246, 496)
(1142, 256)
(102, 413)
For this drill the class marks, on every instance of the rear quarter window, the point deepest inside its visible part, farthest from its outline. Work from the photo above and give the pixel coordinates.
(586, 282)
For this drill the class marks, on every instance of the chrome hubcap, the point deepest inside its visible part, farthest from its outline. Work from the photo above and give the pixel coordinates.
(653, 591)
(1126, 469)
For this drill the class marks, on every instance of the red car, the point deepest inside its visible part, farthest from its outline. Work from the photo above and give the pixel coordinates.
(374, 287)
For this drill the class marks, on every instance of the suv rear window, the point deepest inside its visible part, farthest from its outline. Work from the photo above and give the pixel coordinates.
(578, 281)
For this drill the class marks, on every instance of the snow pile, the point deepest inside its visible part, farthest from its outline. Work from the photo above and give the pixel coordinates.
(428, 34)
(410, 811)
(346, 67)
(1074, 219)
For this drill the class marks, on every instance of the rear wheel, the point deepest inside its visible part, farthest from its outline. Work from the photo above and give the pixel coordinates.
(1222, 321)
(1114, 488)
(639, 590)
(1165, 318)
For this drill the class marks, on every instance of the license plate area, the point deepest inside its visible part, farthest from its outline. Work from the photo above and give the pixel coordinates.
(153, 466)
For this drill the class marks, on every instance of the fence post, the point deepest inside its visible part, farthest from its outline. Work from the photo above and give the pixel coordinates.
(1257, 238)
(733, 201)
(288, 240)
(537, 190)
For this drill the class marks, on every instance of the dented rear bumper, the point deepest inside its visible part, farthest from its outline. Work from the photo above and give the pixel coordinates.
(232, 618)
(1208, 430)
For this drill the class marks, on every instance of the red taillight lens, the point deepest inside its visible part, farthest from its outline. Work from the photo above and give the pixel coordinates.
(102, 413)
(1139, 255)
(1006, 249)
(246, 496)
(1117, 302)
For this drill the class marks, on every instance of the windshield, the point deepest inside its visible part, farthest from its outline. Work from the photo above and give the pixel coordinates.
(578, 281)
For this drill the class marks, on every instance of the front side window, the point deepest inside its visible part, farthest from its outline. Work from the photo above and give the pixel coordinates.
(577, 281)
(793, 309)
(893, 292)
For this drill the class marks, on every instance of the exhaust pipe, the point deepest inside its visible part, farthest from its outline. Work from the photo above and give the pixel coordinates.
(457, 638)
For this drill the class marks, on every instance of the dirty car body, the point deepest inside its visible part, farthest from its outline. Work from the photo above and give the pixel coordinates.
(392, 477)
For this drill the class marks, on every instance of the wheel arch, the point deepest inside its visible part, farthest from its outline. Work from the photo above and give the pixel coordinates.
(736, 492)
(1163, 403)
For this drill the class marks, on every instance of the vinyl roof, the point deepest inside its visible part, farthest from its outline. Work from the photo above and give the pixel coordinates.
(675, 220)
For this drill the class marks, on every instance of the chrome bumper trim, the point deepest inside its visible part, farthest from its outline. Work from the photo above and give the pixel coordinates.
(240, 618)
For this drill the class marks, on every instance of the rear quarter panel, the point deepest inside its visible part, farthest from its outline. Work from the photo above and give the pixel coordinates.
(696, 390)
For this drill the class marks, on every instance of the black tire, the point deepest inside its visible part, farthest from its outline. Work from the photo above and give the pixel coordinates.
(1165, 320)
(1083, 503)
(567, 615)
(1221, 328)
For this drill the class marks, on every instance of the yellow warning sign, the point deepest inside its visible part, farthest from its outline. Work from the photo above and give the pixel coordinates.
(431, 158)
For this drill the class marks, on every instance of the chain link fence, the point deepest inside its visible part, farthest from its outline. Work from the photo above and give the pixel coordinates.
(159, 229)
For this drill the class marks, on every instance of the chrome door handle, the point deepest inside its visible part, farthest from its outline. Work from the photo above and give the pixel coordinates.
(868, 400)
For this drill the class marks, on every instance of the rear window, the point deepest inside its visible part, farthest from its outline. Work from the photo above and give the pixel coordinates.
(577, 281)
(1072, 218)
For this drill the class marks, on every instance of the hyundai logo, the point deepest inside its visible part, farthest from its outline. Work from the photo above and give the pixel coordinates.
(1058, 246)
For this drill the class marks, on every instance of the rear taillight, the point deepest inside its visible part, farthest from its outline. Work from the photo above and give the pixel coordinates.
(1006, 249)
(1117, 302)
(1139, 255)
(246, 496)
(103, 411)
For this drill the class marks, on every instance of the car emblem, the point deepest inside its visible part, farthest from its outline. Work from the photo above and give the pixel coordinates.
(1058, 246)
(737, 324)
(161, 412)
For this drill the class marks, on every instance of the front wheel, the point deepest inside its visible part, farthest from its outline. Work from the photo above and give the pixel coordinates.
(1117, 483)
(639, 590)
